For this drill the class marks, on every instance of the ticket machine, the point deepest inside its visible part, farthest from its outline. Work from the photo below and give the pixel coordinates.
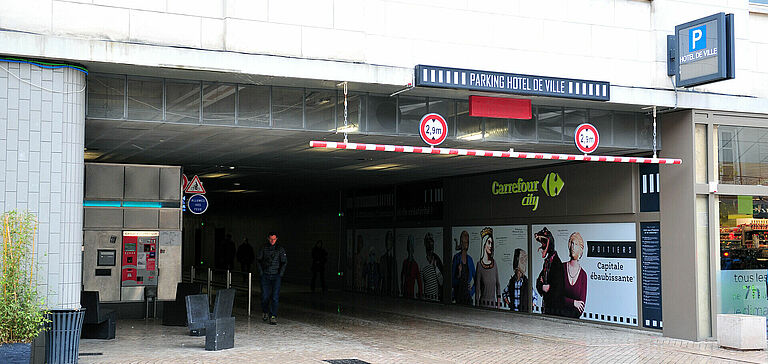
(139, 263)
(131, 231)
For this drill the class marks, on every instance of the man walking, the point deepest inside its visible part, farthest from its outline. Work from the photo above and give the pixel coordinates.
(271, 262)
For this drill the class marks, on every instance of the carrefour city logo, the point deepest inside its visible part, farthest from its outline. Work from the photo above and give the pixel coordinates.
(552, 185)
(697, 38)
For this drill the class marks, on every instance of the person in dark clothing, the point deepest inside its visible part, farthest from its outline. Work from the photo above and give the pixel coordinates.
(271, 262)
(550, 281)
(219, 254)
(245, 256)
(229, 252)
(319, 257)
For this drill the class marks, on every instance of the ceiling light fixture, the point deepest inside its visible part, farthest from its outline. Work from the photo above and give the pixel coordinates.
(214, 175)
(351, 128)
(91, 155)
(378, 167)
(472, 136)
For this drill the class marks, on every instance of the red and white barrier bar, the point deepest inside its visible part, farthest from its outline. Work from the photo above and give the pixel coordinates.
(489, 153)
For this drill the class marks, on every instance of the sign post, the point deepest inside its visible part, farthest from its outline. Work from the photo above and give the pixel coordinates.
(197, 204)
(194, 186)
(433, 129)
(587, 138)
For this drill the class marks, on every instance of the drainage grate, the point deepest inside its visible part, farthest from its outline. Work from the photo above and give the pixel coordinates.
(346, 361)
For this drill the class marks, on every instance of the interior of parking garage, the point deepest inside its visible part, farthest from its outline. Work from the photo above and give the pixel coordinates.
(249, 146)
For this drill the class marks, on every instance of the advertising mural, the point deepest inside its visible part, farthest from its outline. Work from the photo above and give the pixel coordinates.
(370, 246)
(585, 271)
(420, 267)
(489, 267)
(744, 291)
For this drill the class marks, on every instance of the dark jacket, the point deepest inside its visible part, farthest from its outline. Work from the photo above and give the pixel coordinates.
(271, 259)
(551, 274)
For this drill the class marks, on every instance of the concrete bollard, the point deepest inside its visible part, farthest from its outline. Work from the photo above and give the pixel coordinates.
(743, 332)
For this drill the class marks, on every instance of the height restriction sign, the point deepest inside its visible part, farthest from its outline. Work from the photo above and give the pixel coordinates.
(587, 138)
(433, 129)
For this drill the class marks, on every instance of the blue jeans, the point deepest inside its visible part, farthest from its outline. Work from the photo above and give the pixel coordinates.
(270, 293)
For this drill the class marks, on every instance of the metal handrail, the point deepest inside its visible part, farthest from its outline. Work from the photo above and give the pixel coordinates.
(246, 286)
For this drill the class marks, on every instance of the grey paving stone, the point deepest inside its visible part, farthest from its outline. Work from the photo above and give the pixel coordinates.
(316, 329)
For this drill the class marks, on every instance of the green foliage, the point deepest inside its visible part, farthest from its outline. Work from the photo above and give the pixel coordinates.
(22, 309)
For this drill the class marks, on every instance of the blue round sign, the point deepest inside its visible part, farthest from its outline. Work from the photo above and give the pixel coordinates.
(197, 204)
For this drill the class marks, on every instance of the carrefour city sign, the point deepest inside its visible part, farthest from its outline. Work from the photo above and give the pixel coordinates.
(551, 185)
(702, 51)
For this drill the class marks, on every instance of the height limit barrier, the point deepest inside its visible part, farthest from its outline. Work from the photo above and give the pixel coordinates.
(490, 153)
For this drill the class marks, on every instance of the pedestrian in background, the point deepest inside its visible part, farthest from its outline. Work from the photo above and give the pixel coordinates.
(319, 257)
(271, 262)
(230, 251)
(245, 255)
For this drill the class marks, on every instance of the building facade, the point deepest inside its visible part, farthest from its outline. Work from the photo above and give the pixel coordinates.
(75, 72)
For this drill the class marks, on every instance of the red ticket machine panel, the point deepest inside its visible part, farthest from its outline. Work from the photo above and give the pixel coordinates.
(129, 261)
(139, 261)
(129, 274)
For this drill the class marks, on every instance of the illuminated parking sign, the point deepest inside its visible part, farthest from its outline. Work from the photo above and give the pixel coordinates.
(701, 51)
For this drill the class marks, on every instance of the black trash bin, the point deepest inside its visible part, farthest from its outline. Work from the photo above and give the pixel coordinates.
(63, 336)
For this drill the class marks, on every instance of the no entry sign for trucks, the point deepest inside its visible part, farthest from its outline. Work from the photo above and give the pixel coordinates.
(587, 138)
(433, 129)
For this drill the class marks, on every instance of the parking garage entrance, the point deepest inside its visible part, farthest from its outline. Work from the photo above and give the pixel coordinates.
(523, 235)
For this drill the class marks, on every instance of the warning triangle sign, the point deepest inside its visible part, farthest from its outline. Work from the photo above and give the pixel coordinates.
(194, 186)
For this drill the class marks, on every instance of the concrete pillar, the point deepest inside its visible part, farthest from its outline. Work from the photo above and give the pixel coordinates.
(42, 131)
(680, 282)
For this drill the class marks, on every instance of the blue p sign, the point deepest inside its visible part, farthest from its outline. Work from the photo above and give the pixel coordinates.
(697, 38)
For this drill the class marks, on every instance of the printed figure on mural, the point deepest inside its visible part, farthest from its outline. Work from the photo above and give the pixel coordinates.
(487, 278)
(549, 284)
(516, 293)
(388, 266)
(432, 272)
(410, 274)
(463, 271)
(563, 286)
